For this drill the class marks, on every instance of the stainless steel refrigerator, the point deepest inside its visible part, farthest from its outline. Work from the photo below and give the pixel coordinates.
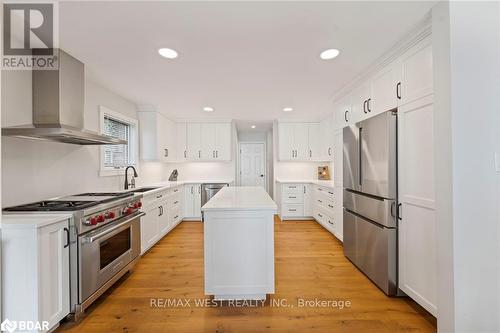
(370, 198)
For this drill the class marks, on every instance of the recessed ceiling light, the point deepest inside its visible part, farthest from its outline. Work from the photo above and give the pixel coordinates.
(287, 109)
(329, 54)
(208, 109)
(253, 126)
(168, 53)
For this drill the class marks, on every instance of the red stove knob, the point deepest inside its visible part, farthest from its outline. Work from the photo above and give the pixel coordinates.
(136, 205)
(100, 218)
(129, 210)
(93, 221)
(139, 204)
(110, 215)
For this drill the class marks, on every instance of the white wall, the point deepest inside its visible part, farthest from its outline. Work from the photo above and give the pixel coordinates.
(466, 47)
(35, 170)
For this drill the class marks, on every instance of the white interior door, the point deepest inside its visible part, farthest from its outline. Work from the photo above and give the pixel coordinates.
(252, 164)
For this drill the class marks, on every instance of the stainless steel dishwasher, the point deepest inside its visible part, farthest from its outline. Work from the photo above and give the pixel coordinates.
(209, 190)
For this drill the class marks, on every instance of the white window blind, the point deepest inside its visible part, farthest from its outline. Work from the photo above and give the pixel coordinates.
(116, 156)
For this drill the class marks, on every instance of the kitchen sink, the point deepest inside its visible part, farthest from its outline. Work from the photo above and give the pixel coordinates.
(144, 189)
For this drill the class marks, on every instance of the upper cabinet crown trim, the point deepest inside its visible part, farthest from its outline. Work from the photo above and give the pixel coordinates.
(420, 32)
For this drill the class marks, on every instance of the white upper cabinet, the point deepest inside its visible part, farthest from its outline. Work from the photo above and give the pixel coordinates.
(157, 136)
(386, 89)
(315, 142)
(342, 112)
(223, 141)
(299, 142)
(181, 141)
(193, 140)
(208, 145)
(417, 74)
(361, 103)
(326, 144)
(210, 141)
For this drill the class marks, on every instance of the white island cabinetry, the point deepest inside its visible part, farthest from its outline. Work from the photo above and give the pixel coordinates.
(239, 244)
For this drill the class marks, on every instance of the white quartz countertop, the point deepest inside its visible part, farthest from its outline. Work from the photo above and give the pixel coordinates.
(241, 198)
(31, 220)
(162, 186)
(326, 183)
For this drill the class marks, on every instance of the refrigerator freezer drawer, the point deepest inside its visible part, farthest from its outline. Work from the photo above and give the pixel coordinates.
(382, 211)
(372, 249)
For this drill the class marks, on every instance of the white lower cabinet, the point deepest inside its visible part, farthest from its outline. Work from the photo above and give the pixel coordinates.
(325, 210)
(192, 202)
(295, 201)
(417, 225)
(161, 215)
(35, 273)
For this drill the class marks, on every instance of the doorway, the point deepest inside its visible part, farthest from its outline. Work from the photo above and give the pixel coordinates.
(252, 164)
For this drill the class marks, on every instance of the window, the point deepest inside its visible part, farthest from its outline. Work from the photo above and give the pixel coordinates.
(114, 158)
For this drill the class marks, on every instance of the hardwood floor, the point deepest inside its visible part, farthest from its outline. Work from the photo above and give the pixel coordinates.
(309, 264)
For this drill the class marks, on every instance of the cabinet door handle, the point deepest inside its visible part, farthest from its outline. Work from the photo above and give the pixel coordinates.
(66, 230)
(176, 202)
(185, 153)
(330, 222)
(292, 186)
(199, 189)
(192, 190)
(320, 215)
(329, 151)
(213, 153)
(166, 152)
(330, 192)
(320, 201)
(365, 108)
(345, 115)
(304, 190)
(159, 196)
(217, 154)
(159, 211)
(176, 216)
(398, 90)
(199, 153)
(310, 153)
(368, 105)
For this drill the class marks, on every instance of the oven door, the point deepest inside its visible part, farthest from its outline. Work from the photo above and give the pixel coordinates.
(106, 251)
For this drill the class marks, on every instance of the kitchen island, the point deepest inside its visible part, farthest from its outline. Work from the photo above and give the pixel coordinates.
(239, 244)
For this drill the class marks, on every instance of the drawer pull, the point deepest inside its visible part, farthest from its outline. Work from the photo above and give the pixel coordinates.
(330, 206)
(330, 222)
(159, 196)
(292, 210)
(330, 192)
(292, 197)
(320, 201)
(176, 190)
(176, 216)
(320, 189)
(320, 215)
(292, 186)
(176, 202)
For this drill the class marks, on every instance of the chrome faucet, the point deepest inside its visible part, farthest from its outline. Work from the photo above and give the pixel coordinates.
(132, 180)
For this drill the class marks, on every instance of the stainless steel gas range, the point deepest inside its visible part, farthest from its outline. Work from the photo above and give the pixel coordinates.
(104, 239)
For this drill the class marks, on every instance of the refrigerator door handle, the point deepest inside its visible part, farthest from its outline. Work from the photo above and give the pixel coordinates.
(393, 206)
(360, 152)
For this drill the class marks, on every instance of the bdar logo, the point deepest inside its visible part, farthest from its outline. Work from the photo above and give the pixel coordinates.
(8, 326)
(28, 26)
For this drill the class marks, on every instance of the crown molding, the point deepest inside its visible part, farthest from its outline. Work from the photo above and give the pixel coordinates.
(418, 33)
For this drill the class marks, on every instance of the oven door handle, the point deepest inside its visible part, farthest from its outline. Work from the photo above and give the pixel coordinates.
(107, 232)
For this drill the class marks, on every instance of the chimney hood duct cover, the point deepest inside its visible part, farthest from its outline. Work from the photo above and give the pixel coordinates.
(58, 107)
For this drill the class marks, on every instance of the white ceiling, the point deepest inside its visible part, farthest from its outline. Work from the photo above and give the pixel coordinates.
(247, 60)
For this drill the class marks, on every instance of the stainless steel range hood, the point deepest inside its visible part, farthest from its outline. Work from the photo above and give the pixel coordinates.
(58, 107)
